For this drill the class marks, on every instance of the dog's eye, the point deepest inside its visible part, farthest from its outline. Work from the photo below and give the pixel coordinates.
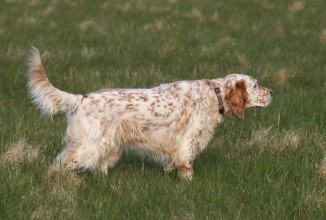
(255, 86)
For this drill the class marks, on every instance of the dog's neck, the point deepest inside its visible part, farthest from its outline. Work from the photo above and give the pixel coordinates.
(218, 85)
(219, 89)
(219, 99)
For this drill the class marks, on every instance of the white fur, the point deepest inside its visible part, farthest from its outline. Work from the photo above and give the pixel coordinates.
(172, 123)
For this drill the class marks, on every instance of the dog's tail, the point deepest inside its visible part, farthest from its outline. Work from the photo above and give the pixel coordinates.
(48, 98)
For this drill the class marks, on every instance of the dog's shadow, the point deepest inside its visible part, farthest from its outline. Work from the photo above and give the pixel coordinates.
(131, 162)
(134, 162)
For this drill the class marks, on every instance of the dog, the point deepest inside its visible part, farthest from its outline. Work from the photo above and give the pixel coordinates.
(172, 123)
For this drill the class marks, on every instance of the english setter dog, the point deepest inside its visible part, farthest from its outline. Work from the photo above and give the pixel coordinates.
(172, 123)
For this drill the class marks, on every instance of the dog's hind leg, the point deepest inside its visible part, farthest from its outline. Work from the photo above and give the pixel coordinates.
(82, 149)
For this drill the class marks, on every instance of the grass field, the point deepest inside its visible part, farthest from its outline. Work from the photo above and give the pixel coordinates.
(264, 167)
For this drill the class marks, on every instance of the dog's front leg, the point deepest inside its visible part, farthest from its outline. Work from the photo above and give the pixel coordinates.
(185, 170)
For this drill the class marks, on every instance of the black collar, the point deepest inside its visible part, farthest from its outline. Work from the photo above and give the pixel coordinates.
(219, 99)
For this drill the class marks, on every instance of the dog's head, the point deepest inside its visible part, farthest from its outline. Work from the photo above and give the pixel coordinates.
(242, 91)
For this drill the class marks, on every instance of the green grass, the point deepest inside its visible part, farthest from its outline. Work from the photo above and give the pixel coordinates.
(263, 167)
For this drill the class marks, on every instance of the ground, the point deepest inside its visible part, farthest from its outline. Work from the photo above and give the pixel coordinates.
(264, 167)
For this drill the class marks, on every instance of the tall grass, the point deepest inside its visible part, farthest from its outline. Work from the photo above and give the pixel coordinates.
(266, 167)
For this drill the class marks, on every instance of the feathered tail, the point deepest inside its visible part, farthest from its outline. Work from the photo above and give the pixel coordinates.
(48, 98)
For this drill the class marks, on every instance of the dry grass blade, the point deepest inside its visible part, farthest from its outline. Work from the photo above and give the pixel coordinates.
(275, 142)
(296, 6)
(322, 37)
(281, 78)
(20, 153)
(322, 169)
(57, 176)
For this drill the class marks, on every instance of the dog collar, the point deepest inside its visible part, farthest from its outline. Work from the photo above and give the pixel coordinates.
(219, 98)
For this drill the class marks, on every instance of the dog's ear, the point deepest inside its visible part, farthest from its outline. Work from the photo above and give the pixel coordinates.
(236, 97)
